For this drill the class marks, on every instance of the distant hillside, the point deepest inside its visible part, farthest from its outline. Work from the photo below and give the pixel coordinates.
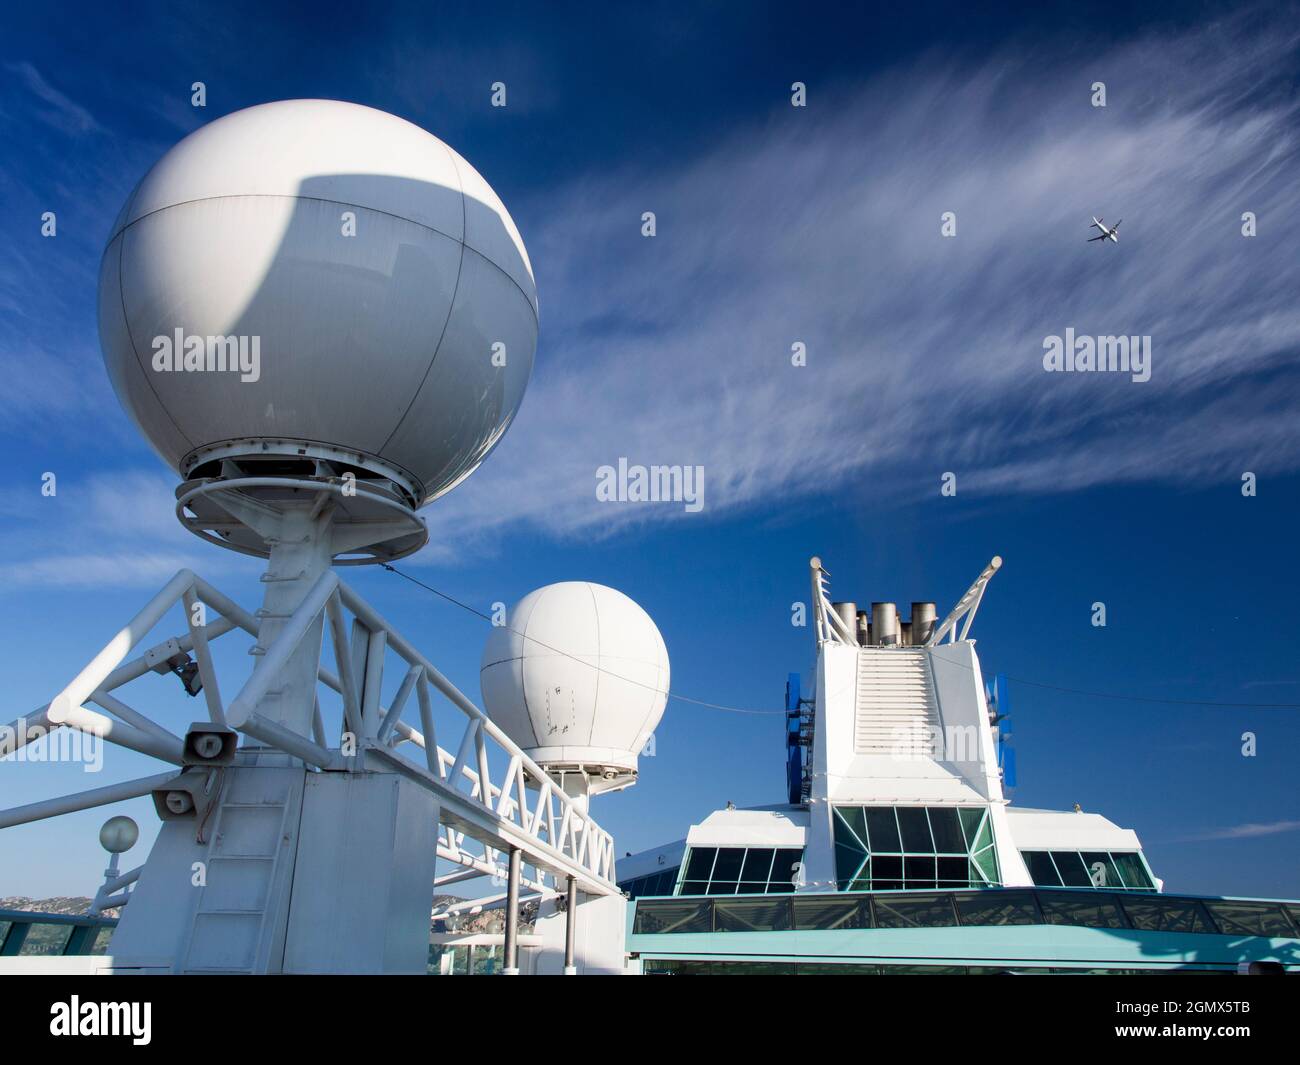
(492, 921)
(73, 904)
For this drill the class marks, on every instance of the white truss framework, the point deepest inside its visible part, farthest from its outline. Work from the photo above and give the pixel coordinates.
(830, 628)
(482, 816)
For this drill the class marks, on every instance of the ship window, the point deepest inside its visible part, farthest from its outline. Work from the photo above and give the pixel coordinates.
(1041, 869)
(881, 823)
(891, 848)
(1109, 871)
(1167, 915)
(783, 868)
(727, 868)
(997, 908)
(953, 872)
(1092, 911)
(1101, 870)
(671, 915)
(826, 912)
(947, 832)
(751, 915)
(914, 827)
(46, 939)
(1250, 919)
(653, 884)
(740, 870)
(1133, 870)
(1072, 870)
(757, 866)
(700, 865)
(901, 912)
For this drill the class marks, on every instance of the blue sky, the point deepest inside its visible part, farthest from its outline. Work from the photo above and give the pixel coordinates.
(775, 225)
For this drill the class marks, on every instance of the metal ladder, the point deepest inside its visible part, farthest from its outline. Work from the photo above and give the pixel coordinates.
(253, 830)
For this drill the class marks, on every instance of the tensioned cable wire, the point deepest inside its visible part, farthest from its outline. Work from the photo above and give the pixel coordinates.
(1113, 696)
(590, 665)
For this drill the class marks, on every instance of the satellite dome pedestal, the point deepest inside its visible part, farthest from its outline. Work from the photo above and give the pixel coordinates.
(230, 490)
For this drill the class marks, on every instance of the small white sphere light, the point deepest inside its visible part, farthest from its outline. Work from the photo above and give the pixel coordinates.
(578, 677)
(317, 281)
(119, 834)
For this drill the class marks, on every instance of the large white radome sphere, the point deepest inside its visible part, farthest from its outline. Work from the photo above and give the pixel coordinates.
(379, 343)
(540, 687)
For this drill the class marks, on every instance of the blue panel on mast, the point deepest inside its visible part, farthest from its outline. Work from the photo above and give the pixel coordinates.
(1002, 694)
(793, 745)
(1008, 766)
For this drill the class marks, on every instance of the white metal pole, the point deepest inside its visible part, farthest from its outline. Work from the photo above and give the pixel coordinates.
(570, 928)
(512, 915)
(85, 800)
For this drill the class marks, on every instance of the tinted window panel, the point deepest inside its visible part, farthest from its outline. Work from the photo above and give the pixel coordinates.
(935, 912)
(947, 831)
(886, 868)
(1071, 868)
(752, 915)
(1101, 870)
(1091, 911)
(848, 864)
(783, 869)
(1041, 868)
(701, 863)
(662, 916)
(46, 939)
(919, 871)
(850, 821)
(822, 913)
(1250, 919)
(1130, 868)
(997, 908)
(883, 829)
(727, 867)
(954, 871)
(758, 864)
(915, 828)
(100, 946)
(1167, 915)
(694, 887)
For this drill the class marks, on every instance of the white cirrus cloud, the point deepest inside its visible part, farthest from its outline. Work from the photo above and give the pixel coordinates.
(822, 225)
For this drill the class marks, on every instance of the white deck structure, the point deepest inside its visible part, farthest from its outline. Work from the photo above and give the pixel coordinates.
(902, 780)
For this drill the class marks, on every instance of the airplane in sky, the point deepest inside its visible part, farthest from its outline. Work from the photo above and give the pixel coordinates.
(1112, 231)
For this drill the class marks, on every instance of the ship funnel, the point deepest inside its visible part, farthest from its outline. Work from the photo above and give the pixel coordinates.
(884, 624)
(923, 620)
(848, 614)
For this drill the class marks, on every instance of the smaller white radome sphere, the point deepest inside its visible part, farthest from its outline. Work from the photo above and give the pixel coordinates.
(578, 677)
